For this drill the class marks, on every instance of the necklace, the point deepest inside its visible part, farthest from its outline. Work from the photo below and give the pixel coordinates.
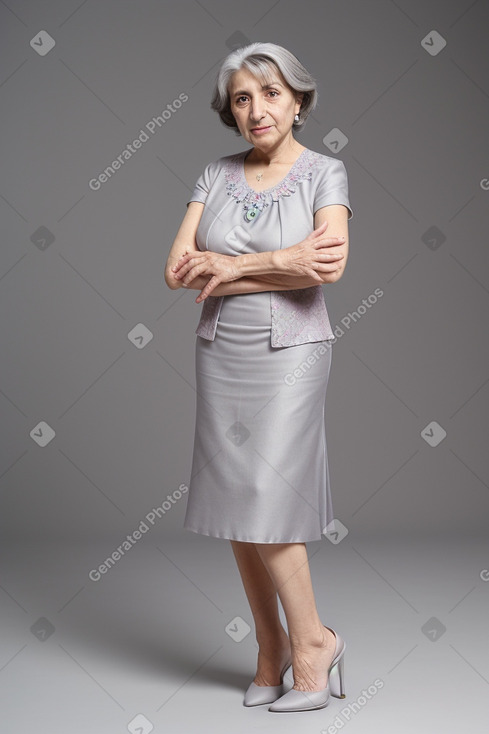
(259, 176)
(254, 202)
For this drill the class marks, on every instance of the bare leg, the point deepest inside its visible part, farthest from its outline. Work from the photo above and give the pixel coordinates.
(274, 646)
(312, 644)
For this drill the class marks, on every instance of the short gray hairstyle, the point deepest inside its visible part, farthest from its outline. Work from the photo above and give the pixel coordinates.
(260, 59)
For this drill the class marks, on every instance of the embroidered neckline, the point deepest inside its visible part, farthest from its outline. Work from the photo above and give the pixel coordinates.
(270, 188)
(238, 187)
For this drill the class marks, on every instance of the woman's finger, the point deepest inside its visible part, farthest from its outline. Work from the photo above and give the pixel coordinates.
(322, 225)
(188, 257)
(209, 287)
(193, 273)
(328, 256)
(188, 265)
(181, 260)
(329, 241)
(315, 275)
(320, 230)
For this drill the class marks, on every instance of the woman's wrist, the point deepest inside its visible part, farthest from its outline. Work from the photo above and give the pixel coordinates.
(257, 263)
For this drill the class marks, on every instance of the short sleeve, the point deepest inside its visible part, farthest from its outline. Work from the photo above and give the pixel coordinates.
(332, 187)
(204, 183)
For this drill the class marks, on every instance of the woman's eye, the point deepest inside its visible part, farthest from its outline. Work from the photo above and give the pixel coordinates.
(241, 99)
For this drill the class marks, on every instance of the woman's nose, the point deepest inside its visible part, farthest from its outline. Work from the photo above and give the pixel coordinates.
(257, 111)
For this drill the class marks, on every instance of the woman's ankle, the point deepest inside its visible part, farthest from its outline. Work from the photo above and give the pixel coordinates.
(315, 638)
(275, 640)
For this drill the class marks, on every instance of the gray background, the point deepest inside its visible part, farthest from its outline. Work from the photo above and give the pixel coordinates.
(149, 639)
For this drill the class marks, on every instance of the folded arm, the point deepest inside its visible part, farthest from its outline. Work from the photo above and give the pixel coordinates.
(248, 284)
(311, 262)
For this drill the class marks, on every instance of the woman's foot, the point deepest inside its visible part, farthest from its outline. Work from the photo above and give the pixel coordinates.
(273, 658)
(311, 662)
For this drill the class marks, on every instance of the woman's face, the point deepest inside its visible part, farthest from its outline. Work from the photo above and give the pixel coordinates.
(271, 108)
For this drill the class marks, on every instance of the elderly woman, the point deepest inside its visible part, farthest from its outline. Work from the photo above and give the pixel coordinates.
(254, 243)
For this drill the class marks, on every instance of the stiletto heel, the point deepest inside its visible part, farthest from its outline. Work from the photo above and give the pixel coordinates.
(295, 700)
(337, 679)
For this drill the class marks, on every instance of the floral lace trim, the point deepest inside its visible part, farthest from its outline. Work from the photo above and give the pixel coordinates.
(238, 187)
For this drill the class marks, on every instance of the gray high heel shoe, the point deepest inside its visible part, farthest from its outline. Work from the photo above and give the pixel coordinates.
(256, 695)
(295, 700)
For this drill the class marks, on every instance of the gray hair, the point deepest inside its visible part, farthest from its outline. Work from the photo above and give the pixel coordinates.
(260, 59)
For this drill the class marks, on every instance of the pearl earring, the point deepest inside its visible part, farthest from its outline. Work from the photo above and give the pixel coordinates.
(296, 118)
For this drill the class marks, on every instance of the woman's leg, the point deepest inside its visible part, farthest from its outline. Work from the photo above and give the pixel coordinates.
(274, 645)
(312, 644)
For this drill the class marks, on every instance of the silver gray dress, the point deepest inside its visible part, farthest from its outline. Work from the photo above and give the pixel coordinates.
(260, 467)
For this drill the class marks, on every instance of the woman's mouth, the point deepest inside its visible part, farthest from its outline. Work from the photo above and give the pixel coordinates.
(260, 130)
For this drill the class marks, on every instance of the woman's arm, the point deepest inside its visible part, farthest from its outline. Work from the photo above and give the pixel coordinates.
(256, 284)
(266, 264)
(309, 263)
(184, 240)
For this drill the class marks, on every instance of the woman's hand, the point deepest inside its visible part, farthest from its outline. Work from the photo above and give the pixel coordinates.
(310, 255)
(304, 259)
(222, 268)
